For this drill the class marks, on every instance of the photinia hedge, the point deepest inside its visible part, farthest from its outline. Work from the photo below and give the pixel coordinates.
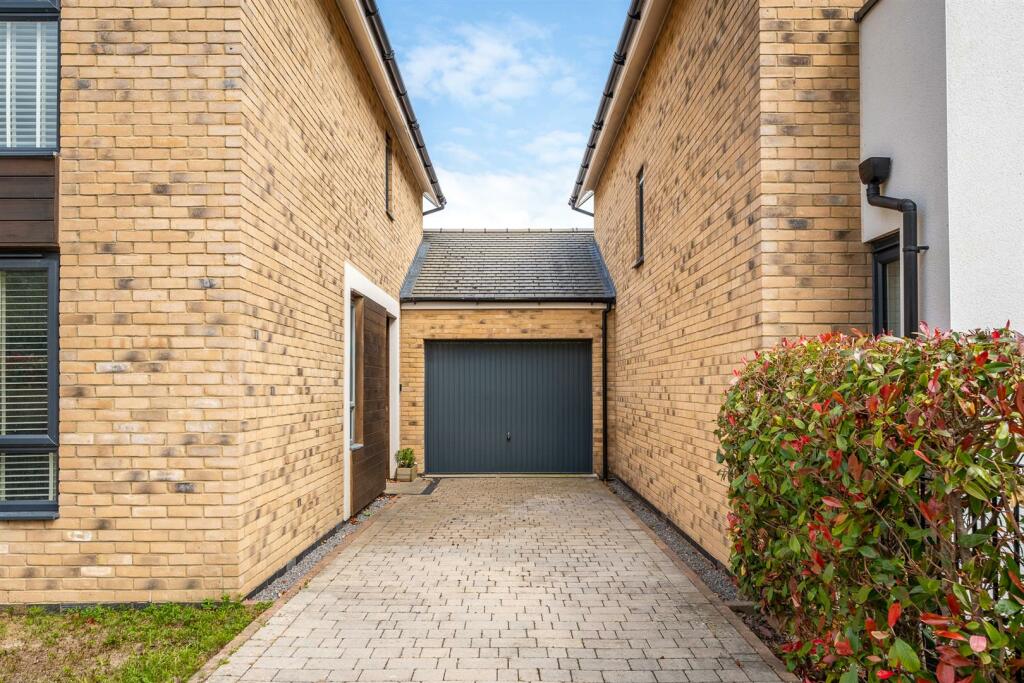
(874, 485)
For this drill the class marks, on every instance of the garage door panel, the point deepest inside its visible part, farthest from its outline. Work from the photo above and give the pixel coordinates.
(508, 407)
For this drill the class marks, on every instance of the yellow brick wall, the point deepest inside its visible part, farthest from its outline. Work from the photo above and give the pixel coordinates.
(737, 141)
(216, 172)
(149, 311)
(420, 325)
(313, 198)
(817, 274)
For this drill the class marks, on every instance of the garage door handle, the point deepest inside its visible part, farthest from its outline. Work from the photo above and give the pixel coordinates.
(508, 436)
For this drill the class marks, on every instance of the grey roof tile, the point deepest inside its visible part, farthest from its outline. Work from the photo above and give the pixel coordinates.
(508, 266)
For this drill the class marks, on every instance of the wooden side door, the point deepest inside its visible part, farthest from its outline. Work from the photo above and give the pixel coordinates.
(370, 463)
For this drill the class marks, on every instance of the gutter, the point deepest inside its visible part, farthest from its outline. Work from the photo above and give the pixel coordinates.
(387, 54)
(859, 15)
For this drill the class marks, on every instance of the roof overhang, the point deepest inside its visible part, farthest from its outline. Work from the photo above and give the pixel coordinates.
(363, 22)
(639, 35)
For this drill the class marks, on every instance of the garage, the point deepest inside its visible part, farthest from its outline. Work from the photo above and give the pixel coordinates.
(502, 353)
(508, 407)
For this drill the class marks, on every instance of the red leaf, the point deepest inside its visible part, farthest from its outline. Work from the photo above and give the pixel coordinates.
(979, 643)
(923, 456)
(1020, 397)
(831, 502)
(952, 635)
(1015, 579)
(870, 625)
(836, 457)
(954, 606)
(856, 469)
(981, 358)
(843, 648)
(895, 609)
(934, 619)
(872, 404)
(933, 383)
(945, 673)
(884, 674)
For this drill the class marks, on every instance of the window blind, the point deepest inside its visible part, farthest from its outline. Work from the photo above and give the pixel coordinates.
(26, 474)
(28, 477)
(28, 84)
(24, 352)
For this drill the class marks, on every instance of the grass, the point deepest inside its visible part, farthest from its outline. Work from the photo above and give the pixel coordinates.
(156, 643)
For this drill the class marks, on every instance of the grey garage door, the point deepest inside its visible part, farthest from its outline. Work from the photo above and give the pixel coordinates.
(508, 407)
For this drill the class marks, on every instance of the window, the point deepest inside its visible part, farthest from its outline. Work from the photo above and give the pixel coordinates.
(355, 373)
(28, 387)
(387, 176)
(29, 76)
(640, 224)
(886, 286)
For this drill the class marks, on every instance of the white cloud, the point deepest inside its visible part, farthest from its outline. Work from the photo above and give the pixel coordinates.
(458, 152)
(557, 147)
(485, 65)
(508, 200)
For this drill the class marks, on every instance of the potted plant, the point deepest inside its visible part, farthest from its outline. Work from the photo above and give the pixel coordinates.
(406, 465)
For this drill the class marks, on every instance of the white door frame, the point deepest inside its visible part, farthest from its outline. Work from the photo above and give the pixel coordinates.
(356, 281)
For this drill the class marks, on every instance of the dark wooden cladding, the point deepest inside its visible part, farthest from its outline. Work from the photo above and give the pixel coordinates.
(28, 202)
(370, 463)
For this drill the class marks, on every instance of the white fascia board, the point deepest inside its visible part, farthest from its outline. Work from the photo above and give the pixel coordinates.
(639, 52)
(359, 27)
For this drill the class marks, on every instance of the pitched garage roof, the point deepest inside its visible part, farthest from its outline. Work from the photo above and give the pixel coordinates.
(554, 266)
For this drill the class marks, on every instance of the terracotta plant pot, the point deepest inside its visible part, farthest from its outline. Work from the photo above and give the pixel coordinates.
(406, 474)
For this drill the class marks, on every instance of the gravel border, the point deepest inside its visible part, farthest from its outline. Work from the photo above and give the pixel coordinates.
(297, 573)
(713, 576)
(711, 573)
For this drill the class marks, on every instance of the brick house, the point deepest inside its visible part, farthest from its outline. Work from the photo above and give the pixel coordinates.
(209, 210)
(220, 315)
(722, 172)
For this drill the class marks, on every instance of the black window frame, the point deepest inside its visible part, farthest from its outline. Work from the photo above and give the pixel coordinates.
(884, 251)
(45, 443)
(641, 219)
(35, 10)
(388, 168)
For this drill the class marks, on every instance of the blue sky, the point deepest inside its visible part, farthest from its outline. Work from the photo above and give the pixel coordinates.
(505, 91)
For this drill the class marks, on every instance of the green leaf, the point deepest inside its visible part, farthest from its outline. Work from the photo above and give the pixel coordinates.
(852, 675)
(975, 491)
(973, 540)
(794, 544)
(902, 654)
(1003, 431)
(868, 552)
(911, 476)
(1007, 607)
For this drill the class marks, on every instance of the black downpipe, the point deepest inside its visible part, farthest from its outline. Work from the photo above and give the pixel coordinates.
(604, 391)
(873, 172)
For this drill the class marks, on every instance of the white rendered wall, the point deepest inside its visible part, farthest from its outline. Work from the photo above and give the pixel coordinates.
(985, 122)
(903, 116)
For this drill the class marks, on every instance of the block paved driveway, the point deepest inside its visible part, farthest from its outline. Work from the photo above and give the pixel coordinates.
(501, 579)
